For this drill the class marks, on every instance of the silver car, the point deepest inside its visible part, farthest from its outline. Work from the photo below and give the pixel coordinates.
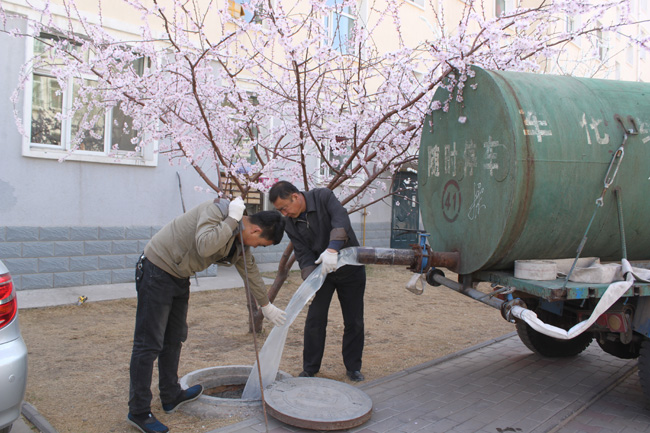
(13, 354)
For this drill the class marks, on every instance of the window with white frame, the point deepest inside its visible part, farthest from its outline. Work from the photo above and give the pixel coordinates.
(244, 158)
(340, 24)
(417, 2)
(629, 54)
(334, 162)
(642, 50)
(53, 125)
(603, 43)
(570, 24)
(243, 9)
(503, 6)
(419, 77)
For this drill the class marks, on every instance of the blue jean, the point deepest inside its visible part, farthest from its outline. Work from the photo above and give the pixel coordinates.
(349, 282)
(160, 330)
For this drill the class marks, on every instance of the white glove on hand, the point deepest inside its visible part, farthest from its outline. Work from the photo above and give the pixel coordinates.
(274, 314)
(236, 209)
(329, 260)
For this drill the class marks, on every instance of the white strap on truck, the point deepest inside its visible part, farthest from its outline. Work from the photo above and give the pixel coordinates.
(611, 295)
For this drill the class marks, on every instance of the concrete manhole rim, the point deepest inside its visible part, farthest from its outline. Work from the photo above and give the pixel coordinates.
(209, 377)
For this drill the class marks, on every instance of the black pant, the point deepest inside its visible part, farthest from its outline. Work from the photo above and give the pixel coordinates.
(349, 282)
(160, 330)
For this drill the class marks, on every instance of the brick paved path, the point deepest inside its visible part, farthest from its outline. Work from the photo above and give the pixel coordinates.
(622, 409)
(498, 387)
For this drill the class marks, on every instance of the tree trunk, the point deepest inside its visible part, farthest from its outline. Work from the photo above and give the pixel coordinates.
(287, 260)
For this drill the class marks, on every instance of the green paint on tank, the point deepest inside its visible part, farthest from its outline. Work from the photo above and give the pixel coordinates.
(519, 178)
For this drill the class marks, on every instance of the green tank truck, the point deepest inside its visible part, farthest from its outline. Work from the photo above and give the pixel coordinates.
(526, 170)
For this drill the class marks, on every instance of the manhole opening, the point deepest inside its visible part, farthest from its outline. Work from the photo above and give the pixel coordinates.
(232, 391)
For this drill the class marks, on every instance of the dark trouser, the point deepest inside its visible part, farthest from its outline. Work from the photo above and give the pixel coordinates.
(350, 285)
(160, 330)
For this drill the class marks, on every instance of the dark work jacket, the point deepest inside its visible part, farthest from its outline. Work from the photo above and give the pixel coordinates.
(326, 219)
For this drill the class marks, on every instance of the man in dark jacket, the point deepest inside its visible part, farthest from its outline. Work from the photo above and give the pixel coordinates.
(318, 227)
(207, 234)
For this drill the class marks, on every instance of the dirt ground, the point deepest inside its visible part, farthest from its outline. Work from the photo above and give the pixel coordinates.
(79, 355)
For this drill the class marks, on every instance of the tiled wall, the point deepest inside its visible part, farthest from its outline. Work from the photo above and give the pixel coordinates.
(45, 257)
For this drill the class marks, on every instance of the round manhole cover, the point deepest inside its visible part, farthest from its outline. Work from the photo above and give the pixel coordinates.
(317, 404)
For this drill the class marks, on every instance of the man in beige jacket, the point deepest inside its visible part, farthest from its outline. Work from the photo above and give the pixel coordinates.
(207, 234)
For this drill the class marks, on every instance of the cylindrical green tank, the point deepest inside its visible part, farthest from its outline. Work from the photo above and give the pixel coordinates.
(514, 170)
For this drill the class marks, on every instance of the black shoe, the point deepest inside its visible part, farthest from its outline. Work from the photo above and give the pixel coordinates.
(356, 376)
(306, 374)
(189, 394)
(147, 423)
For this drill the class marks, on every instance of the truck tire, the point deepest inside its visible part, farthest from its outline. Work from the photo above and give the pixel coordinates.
(620, 350)
(644, 367)
(548, 346)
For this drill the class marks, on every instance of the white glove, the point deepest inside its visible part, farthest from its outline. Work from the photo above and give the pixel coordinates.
(329, 260)
(274, 314)
(236, 209)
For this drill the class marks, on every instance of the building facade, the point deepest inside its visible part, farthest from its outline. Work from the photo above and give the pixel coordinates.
(83, 217)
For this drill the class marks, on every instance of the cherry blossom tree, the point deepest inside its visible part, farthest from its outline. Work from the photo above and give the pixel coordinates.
(296, 89)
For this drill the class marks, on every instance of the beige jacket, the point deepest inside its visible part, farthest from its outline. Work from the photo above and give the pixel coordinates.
(199, 238)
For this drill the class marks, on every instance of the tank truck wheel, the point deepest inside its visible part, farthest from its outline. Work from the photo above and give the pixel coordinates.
(644, 367)
(620, 350)
(548, 346)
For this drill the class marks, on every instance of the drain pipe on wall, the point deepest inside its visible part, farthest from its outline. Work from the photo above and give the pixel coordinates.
(365, 213)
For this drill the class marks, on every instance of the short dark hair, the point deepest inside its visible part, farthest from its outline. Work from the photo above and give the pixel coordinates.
(271, 223)
(283, 190)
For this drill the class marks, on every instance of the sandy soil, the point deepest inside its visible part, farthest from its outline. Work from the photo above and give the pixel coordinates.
(79, 355)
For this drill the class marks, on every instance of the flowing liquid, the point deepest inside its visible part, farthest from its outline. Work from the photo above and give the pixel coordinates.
(271, 352)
